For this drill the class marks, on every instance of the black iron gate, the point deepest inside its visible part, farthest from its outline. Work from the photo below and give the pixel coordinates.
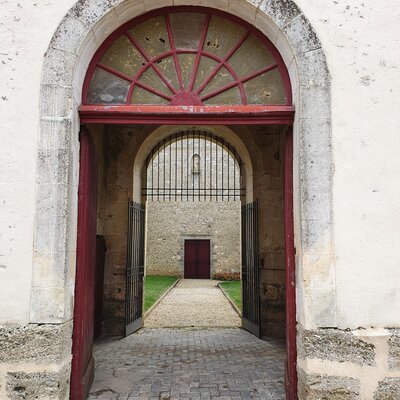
(134, 268)
(250, 269)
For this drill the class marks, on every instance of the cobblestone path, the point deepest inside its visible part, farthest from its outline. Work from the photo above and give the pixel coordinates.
(194, 303)
(213, 363)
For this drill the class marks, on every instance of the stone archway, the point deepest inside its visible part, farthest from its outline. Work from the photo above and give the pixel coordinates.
(164, 131)
(80, 33)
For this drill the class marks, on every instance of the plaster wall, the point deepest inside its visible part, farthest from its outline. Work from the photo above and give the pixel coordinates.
(361, 42)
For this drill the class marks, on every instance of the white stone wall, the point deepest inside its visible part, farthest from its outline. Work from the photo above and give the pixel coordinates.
(361, 41)
(169, 223)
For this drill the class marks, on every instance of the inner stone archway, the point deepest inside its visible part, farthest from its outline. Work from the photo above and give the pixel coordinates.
(79, 34)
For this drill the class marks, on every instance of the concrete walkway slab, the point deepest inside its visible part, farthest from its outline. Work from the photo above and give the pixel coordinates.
(194, 303)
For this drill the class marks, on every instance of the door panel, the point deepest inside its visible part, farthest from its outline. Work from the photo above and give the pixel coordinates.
(197, 259)
(203, 259)
(291, 325)
(190, 259)
(82, 360)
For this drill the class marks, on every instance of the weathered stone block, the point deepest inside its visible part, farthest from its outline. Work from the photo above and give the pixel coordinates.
(280, 11)
(69, 35)
(301, 35)
(51, 304)
(90, 11)
(388, 389)
(315, 135)
(53, 166)
(316, 234)
(38, 385)
(313, 69)
(394, 349)
(315, 101)
(335, 345)
(58, 67)
(56, 101)
(48, 343)
(324, 387)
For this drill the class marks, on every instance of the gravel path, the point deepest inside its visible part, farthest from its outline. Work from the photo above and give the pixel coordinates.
(194, 303)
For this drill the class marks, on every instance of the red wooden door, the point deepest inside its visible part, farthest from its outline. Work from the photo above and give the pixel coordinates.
(82, 341)
(197, 259)
(291, 325)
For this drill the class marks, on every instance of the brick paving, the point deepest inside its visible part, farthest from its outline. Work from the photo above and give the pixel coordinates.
(166, 363)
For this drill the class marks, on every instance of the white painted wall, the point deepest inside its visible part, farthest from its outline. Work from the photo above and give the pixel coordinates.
(361, 41)
(26, 28)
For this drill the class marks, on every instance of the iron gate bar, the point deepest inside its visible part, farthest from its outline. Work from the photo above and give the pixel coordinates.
(250, 269)
(134, 268)
(203, 185)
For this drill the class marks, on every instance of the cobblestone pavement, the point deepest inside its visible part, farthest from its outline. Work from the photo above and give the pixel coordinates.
(194, 303)
(213, 363)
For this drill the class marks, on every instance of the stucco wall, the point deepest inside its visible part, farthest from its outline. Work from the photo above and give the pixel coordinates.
(169, 223)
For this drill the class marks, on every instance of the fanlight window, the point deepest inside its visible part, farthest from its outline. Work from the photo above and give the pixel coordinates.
(187, 58)
(193, 166)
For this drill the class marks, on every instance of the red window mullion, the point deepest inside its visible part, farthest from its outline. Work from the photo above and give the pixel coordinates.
(151, 63)
(198, 56)
(243, 80)
(223, 62)
(152, 90)
(172, 43)
(115, 72)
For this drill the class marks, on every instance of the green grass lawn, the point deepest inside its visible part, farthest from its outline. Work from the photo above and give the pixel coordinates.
(154, 287)
(234, 291)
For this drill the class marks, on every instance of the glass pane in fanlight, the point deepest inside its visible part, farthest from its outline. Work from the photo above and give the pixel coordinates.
(123, 57)
(206, 66)
(152, 35)
(106, 88)
(150, 78)
(142, 96)
(255, 54)
(221, 79)
(186, 61)
(167, 67)
(222, 36)
(266, 89)
(229, 97)
(187, 28)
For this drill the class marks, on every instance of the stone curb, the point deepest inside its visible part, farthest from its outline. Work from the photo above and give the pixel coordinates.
(146, 314)
(234, 306)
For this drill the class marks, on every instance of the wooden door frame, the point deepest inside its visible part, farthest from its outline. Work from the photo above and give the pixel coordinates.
(183, 118)
(80, 383)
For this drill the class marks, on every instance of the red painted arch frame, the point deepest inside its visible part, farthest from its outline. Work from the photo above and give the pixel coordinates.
(217, 115)
(195, 111)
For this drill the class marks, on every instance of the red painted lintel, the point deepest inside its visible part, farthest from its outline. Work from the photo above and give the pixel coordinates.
(170, 115)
